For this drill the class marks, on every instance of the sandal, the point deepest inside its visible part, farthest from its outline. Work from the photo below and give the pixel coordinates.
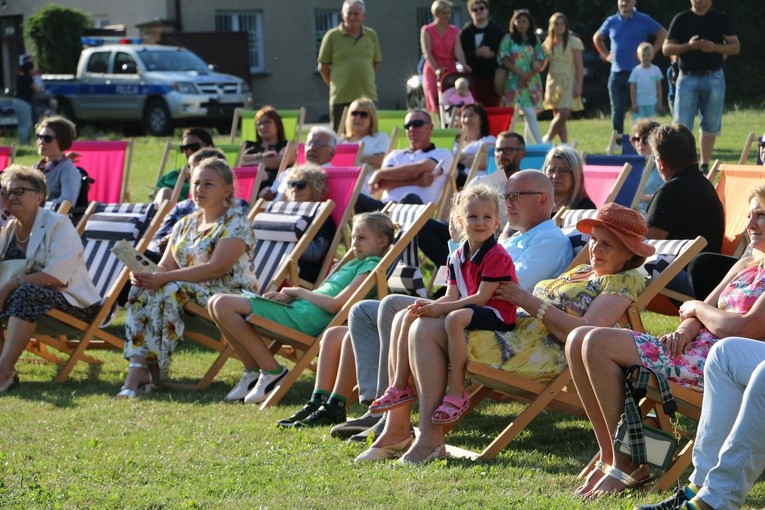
(628, 480)
(600, 467)
(392, 398)
(143, 389)
(451, 409)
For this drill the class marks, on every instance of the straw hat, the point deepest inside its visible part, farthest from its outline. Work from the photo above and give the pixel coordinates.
(626, 224)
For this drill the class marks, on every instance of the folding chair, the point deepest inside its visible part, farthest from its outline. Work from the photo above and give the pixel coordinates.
(535, 156)
(388, 119)
(480, 162)
(500, 118)
(603, 183)
(627, 148)
(346, 154)
(7, 156)
(450, 186)
(62, 207)
(293, 121)
(172, 150)
(631, 190)
(441, 138)
(733, 188)
(101, 228)
(750, 138)
(109, 164)
(248, 180)
(309, 345)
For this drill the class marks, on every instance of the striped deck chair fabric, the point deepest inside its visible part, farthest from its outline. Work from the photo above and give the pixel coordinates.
(405, 277)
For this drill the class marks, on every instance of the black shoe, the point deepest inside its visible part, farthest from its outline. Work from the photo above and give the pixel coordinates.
(325, 415)
(351, 427)
(305, 412)
(374, 431)
(675, 501)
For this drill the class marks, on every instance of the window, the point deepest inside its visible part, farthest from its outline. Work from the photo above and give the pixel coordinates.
(99, 62)
(124, 64)
(325, 19)
(245, 21)
(100, 20)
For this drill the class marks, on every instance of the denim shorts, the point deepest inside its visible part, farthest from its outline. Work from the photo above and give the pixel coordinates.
(704, 95)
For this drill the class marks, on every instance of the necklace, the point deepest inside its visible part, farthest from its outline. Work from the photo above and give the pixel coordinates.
(21, 241)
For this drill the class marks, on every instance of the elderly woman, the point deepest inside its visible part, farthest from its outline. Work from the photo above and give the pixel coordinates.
(269, 145)
(55, 275)
(54, 136)
(598, 356)
(441, 49)
(308, 183)
(361, 126)
(563, 166)
(597, 293)
(209, 251)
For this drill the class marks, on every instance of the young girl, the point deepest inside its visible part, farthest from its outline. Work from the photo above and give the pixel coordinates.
(476, 269)
(306, 311)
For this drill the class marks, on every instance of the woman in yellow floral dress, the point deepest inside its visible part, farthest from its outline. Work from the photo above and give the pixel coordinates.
(210, 252)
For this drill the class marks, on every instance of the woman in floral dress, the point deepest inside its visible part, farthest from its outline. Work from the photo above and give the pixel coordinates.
(210, 251)
(520, 52)
(598, 356)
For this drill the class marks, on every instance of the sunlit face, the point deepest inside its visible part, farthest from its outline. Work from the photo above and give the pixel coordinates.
(318, 149)
(365, 243)
(444, 15)
(559, 26)
(625, 7)
(190, 144)
(266, 128)
(646, 55)
(561, 176)
(481, 221)
(208, 188)
(522, 213)
(756, 225)
(641, 145)
(299, 189)
(521, 24)
(508, 153)
(47, 144)
(419, 134)
(762, 151)
(353, 16)
(469, 120)
(27, 202)
(479, 12)
(607, 253)
(361, 120)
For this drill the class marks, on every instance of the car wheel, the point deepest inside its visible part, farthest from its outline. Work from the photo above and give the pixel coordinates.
(156, 119)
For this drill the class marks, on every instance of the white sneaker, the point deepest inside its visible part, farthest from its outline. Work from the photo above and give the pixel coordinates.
(266, 383)
(244, 386)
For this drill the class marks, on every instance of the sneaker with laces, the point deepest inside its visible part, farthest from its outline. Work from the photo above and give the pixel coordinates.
(265, 385)
(676, 501)
(244, 386)
(304, 413)
(325, 415)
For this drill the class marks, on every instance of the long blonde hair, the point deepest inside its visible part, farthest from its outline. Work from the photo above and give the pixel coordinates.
(549, 44)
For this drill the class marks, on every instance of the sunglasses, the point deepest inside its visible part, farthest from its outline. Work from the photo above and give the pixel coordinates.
(417, 123)
(515, 195)
(193, 147)
(17, 192)
(553, 170)
(265, 122)
(46, 138)
(298, 185)
(359, 113)
(478, 8)
(507, 150)
(636, 139)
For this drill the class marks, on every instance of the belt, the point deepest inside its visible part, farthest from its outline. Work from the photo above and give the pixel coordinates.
(700, 72)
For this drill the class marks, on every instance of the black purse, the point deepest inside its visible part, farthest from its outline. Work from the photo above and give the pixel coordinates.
(645, 444)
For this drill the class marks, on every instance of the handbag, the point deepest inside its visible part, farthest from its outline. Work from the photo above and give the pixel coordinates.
(10, 269)
(500, 80)
(645, 444)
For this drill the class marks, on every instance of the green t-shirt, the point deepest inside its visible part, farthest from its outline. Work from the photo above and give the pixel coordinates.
(352, 62)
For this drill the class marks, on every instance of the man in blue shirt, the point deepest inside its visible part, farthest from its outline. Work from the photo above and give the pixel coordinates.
(626, 30)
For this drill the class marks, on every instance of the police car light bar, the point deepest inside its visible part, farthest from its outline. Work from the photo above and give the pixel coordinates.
(99, 41)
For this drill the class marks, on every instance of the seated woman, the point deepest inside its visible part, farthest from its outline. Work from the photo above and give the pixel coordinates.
(639, 140)
(361, 125)
(54, 136)
(308, 183)
(192, 140)
(55, 275)
(563, 165)
(269, 145)
(309, 311)
(209, 252)
(597, 293)
(598, 356)
(474, 123)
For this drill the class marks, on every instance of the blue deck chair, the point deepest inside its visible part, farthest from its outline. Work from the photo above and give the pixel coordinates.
(535, 156)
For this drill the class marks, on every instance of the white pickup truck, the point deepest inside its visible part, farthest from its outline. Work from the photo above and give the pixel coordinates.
(157, 86)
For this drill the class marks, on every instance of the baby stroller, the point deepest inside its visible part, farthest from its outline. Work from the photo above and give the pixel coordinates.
(447, 111)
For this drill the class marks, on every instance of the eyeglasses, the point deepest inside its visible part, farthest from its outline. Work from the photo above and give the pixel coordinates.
(478, 8)
(266, 121)
(16, 192)
(193, 147)
(360, 113)
(417, 123)
(641, 139)
(513, 196)
(45, 138)
(507, 150)
(317, 144)
(298, 185)
(762, 144)
(560, 170)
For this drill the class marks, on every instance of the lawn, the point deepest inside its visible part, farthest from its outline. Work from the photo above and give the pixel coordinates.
(72, 445)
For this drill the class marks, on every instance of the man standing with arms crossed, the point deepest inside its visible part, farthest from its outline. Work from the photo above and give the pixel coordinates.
(348, 60)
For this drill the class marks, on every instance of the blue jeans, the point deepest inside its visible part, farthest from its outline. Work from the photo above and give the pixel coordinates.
(704, 95)
(24, 117)
(619, 93)
(729, 454)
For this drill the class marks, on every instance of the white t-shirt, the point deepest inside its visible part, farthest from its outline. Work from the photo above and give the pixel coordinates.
(375, 144)
(427, 194)
(645, 78)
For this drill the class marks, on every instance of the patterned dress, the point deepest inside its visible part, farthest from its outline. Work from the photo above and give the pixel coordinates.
(522, 57)
(561, 77)
(688, 370)
(531, 350)
(154, 323)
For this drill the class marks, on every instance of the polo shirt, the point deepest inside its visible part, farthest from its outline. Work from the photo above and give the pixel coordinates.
(352, 61)
(540, 253)
(408, 156)
(625, 35)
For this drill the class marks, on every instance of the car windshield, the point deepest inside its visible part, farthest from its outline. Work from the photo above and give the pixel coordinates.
(172, 60)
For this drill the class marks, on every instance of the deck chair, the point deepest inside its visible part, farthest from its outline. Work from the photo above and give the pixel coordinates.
(62, 207)
(293, 121)
(248, 180)
(308, 345)
(500, 118)
(629, 194)
(480, 162)
(172, 152)
(388, 119)
(450, 186)
(346, 154)
(750, 138)
(101, 227)
(109, 164)
(627, 148)
(535, 156)
(444, 138)
(733, 187)
(7, 156)
(603, 183)
(559, 394)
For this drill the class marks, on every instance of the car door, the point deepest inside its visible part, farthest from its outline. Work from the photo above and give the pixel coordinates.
(127, 83)
(94, 94)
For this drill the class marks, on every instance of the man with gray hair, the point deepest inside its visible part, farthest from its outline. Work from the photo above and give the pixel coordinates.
(348, 60)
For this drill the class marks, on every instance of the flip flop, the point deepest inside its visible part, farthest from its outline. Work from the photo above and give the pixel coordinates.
(452, 408)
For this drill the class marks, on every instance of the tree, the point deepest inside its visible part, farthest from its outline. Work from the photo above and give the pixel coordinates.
(54, 34)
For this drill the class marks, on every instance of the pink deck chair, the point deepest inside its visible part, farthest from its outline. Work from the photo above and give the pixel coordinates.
(248, 179)
(109, 164)
(346, 154)
(602, 183)
(7, 155)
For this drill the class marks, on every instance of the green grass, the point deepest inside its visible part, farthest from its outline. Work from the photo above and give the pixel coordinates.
(72, 445)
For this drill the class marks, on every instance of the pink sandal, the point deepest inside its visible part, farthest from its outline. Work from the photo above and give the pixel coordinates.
(392, 398)
(452, 408)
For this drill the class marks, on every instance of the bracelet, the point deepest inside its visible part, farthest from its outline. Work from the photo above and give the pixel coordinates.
(20, 278)
(542, 310)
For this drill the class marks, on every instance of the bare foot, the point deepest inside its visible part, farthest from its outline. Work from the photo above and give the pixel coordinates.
(420, 453)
